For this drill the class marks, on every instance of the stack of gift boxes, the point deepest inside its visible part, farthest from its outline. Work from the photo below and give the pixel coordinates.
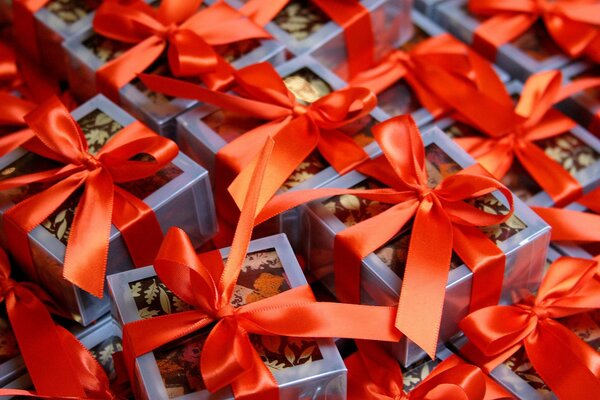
(300, 199)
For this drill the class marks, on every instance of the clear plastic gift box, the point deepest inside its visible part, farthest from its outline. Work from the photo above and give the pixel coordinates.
(179, 194)
(304, 28)
(578, 151)
(584, 106)
(57, 21)
(307, 369)
(518, 376)
(102, 339)
(523, 238)
(532, 52)
(88, 51)
(203, 131)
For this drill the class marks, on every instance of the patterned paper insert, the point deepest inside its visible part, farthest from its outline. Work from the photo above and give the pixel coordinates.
(301, 18)
(98, 128)
(103, 352)
(71, 11)
(418, 373)
(566, 149)
(262, 276)
(351, 210)
(586, 326)
(308, 87)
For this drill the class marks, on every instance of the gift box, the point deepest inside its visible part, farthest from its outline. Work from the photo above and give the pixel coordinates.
(303, 368)
(523, 239)
(102, 339)
(577, 151)
(583, 107)
(533, 51)
(517, 373)
(203, 131)
(400, 98)
(302, 26)
(88, 51)
(180, 185)
(55, 22)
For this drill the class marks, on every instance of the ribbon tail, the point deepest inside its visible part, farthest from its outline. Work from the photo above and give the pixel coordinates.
(425, 277)
(498, 30)
(341, 151)
(87, 249)
(571, 226)
(568, 352)
(42, 348)
(14, 140)
(549, 174)
(117, 73)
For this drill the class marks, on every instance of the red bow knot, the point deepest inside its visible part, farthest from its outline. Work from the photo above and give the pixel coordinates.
(60, 138)
(570, 287)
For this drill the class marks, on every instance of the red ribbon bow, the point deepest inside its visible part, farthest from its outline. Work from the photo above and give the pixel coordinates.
(102, 202)
(351, 15)
(204, 283)
(443, 207)
(189, 33)
(445, 52)
(512, 131)
(59, 366)
(573, 24)
(297, 129)
(569, 287)
(374, 375)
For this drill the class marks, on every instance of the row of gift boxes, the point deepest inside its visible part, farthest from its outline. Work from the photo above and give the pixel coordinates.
(303, 368)
(87, 52)
(68, 44)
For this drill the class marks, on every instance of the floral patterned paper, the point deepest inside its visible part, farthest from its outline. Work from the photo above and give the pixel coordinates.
(351, 210)
(103, 352)
(71, 11)
(262, 276)
(417, 373)
(104, 48)
(586, 326)
(98, 128)
(301, 18)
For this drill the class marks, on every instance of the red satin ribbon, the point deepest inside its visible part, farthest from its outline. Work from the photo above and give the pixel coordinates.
(443, 51)
(574, 226)
(573, 24)
(24, 25)
(102, 202)
(571, 368)
(296, 129)
(351, 15)
(188, 33)
(204, 283)
(59, 366)
(373, 374)
(424, 284)
(510, 131)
